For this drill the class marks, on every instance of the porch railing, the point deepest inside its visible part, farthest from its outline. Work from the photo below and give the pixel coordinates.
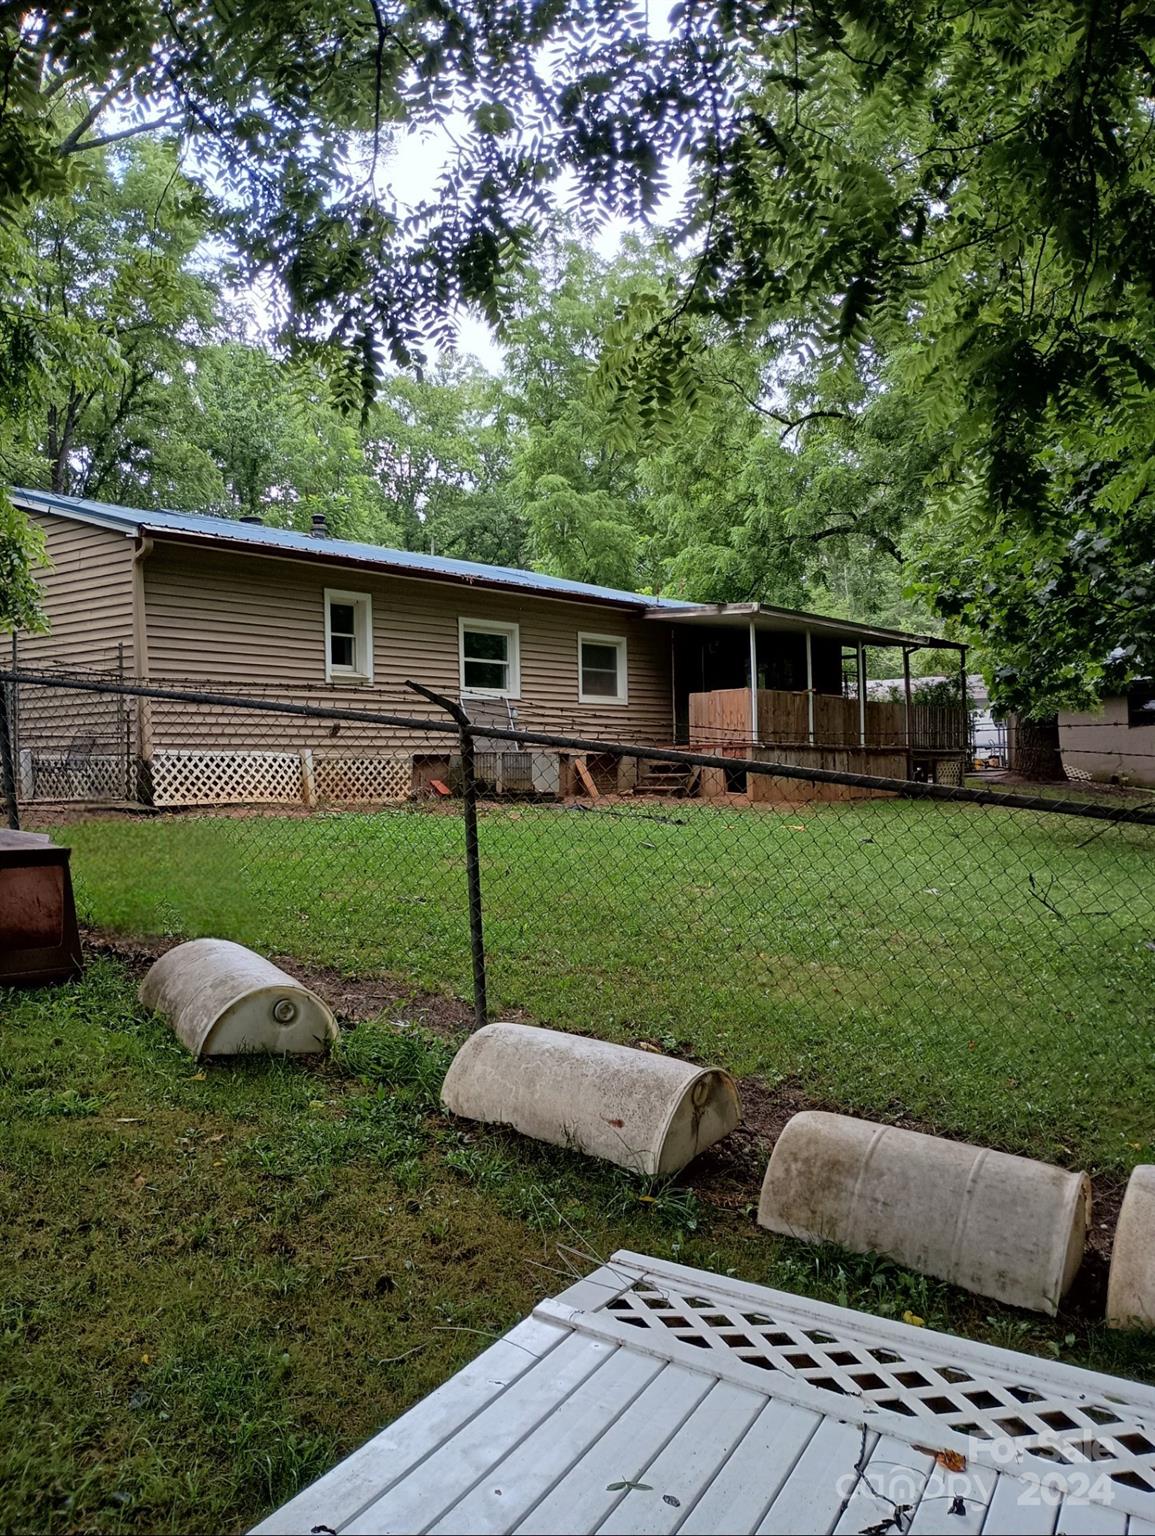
(723, 718)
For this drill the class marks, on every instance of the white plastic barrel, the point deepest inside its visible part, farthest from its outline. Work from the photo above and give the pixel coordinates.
(224, 1000)
(1002, 1226)
(1131, 1282)
(646, 1112)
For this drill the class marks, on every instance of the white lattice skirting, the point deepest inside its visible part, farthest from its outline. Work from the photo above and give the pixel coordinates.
(278, 778)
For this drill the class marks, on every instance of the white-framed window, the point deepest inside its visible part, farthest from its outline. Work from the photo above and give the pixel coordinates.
(602, 669)
(490, 658)
(348, 636)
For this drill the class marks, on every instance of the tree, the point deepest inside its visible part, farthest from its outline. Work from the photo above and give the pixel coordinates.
(964, 189)
(119, 308)
(440, 449)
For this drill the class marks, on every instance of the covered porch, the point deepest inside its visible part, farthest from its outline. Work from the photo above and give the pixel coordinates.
(756, 681)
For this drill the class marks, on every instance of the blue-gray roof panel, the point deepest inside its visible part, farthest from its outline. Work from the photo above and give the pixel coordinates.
(261, 536)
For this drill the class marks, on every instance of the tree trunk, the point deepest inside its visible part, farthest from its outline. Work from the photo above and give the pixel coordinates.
(1036, 755)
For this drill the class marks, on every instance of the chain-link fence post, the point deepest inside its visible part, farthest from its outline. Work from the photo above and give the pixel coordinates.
(8, 757)
(473, 875)
(472, 852)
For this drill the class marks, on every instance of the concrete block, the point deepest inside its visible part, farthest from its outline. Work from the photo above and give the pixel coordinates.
(1131, 1283)
(221, 999)
(646, 1112)
(1001, 1226)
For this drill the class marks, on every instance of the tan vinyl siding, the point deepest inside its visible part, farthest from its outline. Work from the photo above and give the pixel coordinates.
(254, 623)
(87, 596)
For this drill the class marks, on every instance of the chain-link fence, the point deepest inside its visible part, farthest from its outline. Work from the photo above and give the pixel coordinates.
(978, 961)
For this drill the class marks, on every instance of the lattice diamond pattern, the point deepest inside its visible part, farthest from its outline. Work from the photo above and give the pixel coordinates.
(64, 776)
(278, 778)
(226, 778)
(355, 780)
(988, 1406)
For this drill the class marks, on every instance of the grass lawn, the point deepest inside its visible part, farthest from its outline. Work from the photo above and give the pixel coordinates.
(216, 1280)
(987, 971)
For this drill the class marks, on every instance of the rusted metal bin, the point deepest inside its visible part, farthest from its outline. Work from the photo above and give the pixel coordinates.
(39, 942)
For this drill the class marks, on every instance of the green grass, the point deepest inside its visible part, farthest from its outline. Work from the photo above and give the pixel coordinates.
(217, 1279)
(987, 971)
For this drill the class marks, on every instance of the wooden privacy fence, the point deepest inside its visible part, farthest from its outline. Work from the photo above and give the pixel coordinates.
(721, 720)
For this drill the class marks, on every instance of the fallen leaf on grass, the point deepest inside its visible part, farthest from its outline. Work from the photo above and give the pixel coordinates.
(199, 1077)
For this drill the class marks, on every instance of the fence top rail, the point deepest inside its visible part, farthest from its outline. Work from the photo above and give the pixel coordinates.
(226, 700)
(909, 789)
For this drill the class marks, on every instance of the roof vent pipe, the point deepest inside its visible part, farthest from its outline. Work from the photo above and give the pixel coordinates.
(320, 528)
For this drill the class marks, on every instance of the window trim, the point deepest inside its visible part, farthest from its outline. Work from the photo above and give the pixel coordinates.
(362, 669)
(508, 628)
(620, 643)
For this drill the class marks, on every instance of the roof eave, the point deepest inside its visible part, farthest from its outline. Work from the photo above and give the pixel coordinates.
(816, 621)
(28, 501)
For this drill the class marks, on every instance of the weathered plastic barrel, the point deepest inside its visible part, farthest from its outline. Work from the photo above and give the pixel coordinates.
(1131, 1282)
(1002, 1226)
(647, 1112)
(223, 1000)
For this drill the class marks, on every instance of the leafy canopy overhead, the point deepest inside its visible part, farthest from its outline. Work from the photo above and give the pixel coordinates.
(965, 191)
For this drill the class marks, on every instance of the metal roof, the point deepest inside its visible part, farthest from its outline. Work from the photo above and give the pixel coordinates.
(259, 538)
(792, 620)
(654, 1398)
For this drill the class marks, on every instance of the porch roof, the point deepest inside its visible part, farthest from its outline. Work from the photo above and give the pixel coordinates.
(793, 621)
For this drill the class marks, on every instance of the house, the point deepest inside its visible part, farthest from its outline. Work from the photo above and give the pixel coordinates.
(183, 600)
(1115, 743)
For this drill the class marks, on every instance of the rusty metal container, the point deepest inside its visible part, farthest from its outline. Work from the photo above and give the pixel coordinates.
(39, 941)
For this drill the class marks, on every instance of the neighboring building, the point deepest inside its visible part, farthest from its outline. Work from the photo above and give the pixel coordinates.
(177, 599)
(1115, 743)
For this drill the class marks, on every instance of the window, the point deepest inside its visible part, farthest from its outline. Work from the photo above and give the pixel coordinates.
(490, 663)
(348, 637)
(1141, 703)
(602, 669)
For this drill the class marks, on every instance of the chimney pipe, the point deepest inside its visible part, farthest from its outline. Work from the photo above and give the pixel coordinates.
(320, 528)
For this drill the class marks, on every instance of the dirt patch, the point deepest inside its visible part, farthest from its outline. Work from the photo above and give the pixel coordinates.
(729, 1174)
(352, 998)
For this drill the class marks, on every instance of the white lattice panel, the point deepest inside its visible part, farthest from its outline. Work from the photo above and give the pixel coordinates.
(356, 780)
(227, 778)
(1057, 1413)
(649, 1397)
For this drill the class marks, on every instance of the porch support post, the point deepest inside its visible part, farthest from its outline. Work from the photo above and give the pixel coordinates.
(809, 690)
(906, 716)
(753, 685)
(861, 694)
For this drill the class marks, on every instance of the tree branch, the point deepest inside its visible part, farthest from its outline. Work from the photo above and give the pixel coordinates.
(72, 142)
(72, 147)
(791, 423)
